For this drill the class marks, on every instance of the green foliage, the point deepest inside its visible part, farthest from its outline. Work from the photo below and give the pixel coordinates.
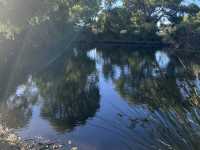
(137, 20)
(116, 20)
(64, 15)
(187, 33)
(8, 31)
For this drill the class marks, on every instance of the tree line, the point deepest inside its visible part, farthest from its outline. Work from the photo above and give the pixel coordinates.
(170, 21)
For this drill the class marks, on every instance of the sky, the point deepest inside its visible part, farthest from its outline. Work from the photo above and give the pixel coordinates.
(186, 2)
(192, 1)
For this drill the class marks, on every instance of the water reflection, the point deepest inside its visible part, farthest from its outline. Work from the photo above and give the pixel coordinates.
(162, 59)
(68, 87)
(104, 98)
(142, 78)
(145, 99)
(17, 109)
(164, 86)
(74, 97)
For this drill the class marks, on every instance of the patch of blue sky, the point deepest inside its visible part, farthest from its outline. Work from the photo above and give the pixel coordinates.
(192, 1)
(119, 2)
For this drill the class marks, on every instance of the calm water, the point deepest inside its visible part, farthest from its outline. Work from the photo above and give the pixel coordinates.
(103, 98)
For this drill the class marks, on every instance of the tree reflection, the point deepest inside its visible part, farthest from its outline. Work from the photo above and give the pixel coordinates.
(73, 97)
(16, 109)
(166, 91)
(68, 86)
(151, 79)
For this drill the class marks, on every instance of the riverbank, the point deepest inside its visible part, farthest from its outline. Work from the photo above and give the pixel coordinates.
(10, 141)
